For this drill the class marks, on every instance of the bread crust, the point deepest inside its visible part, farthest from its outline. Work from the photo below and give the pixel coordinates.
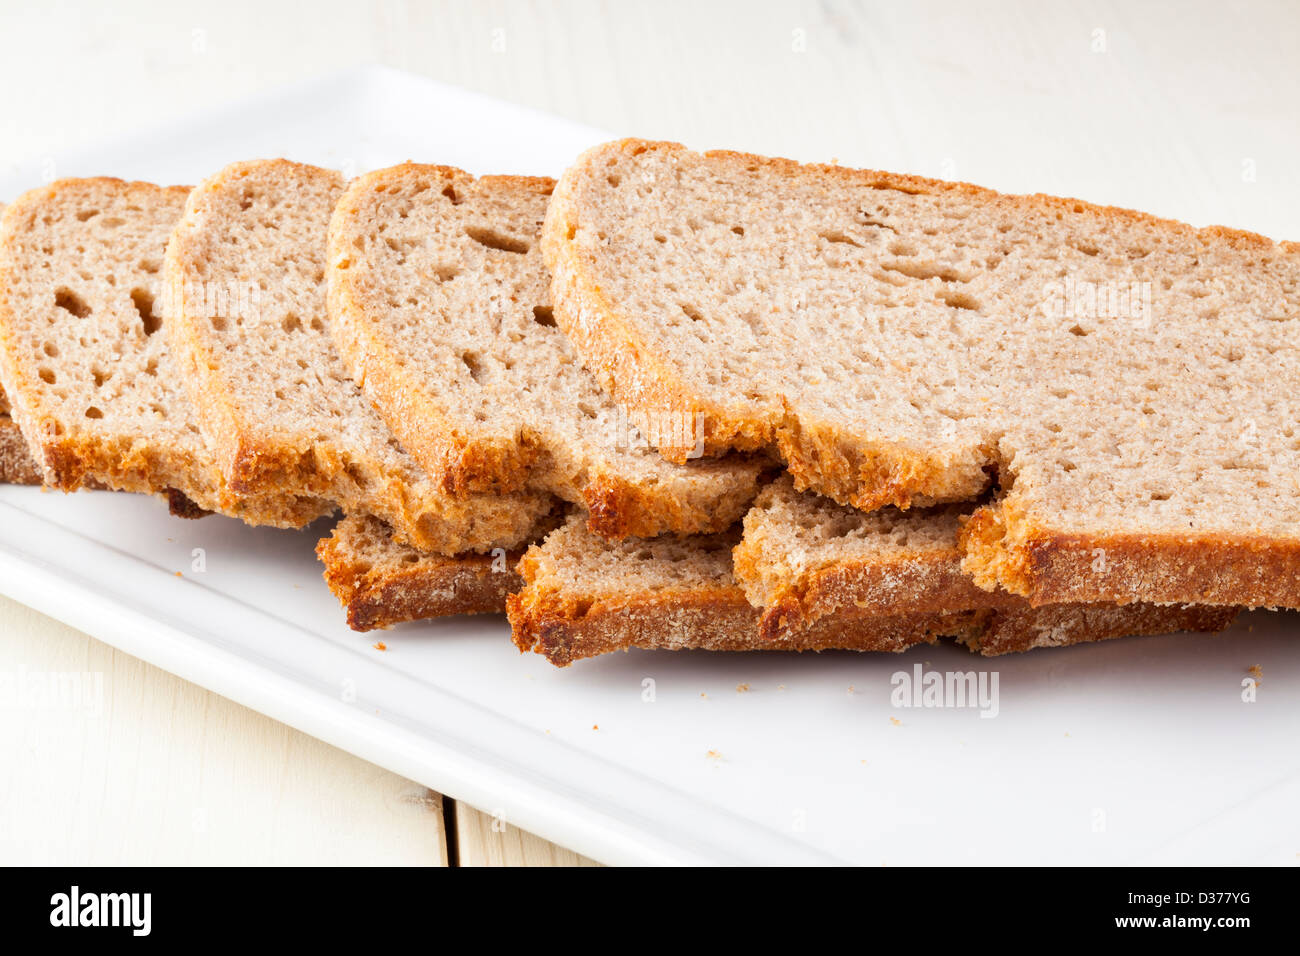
(1004, 550)
(382, 595)
(564, 628)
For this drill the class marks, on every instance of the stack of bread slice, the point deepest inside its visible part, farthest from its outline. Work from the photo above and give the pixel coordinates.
(678, 401)
(1125, 387)
(440, 303)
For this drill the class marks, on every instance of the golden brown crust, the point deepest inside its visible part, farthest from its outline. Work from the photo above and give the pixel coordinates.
(1004, 550)
(381, 596)
(564, 628)
(1056, 625)
(618, 508)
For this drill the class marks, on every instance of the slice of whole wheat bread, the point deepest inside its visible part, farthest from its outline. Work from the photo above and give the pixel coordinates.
(439, 303)
(247, 314)
(1131, 384)
(381, 582)
(89, 379)
(584, 596)
(803, 558)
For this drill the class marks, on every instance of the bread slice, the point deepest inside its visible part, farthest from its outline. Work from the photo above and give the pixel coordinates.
(381, 582)
(584, 597)
(804, 558)
(1127, 382)
(89, 379)
(247, 315)
(440, 305)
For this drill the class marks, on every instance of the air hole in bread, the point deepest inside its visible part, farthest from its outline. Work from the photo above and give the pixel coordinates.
(446, 273)
(474, 364)
(93, 412)
(1078, 330)
(291, 323)
(544, 315)
(51, 350)
(450, 192)
(925, 270)
(86, 214)
(99, 376)
(834, 235)
(218, 323)
(69, 301)
(47, 376)
(959, 300)
(693, 313)
(902, 248)
(496, 240)
(144, 305)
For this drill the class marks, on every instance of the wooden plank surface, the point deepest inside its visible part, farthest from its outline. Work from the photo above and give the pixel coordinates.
(486, 839)
(110, 761)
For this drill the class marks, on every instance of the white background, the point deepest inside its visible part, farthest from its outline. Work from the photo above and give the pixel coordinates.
(1182, 109)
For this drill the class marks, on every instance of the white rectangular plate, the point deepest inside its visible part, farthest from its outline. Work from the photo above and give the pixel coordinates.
(1140, 750)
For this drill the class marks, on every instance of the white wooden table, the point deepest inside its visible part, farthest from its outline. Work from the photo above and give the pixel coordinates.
(1182, 109)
